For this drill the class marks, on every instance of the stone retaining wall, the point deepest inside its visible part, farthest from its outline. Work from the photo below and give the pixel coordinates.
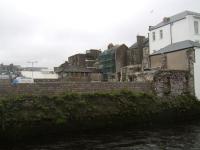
(161, 83)
(53, 88)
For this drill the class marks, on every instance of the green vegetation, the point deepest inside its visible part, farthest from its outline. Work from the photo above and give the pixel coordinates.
(26, 116)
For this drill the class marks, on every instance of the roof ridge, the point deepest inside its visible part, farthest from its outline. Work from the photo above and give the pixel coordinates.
(186, 12)
(174, 18)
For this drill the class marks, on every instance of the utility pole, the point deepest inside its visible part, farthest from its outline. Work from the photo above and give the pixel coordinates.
(32, 64)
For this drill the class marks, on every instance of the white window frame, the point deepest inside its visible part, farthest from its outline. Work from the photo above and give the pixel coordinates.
(196, 27)
(154, 36)
(161, 34)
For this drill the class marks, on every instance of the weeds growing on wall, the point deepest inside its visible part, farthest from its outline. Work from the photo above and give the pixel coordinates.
(24, 115)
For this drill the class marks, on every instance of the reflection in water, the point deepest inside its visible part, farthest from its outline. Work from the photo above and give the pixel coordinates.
(178, 137)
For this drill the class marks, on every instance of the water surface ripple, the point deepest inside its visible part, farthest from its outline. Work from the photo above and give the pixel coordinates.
(179, 137)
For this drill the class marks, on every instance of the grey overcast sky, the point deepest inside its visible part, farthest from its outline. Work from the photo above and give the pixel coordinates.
(49, 31)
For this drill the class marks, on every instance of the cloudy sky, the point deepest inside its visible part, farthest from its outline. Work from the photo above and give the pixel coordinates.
(49, 31)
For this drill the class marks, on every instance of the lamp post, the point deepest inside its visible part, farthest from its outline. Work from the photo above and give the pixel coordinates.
(32, 64)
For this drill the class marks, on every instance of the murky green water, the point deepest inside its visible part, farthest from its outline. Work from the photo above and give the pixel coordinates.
(179, 137)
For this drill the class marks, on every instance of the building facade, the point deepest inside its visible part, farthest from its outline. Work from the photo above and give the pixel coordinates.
(80, 68)
(112, 60)
(180, 27)
(135, 52)
(92, 56)
(9, 72)
(175, 44)
(137, 59)
(77, 60)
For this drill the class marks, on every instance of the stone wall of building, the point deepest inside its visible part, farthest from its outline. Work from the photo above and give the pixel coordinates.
(120, 60)
(166, 82)
(77, 60)
(145, 60)
(128, 72)
(191, 60)
(171, 83)
(91, 58)
(135, 52)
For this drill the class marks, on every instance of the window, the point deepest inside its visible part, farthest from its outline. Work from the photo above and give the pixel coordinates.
(161, 34)
(154, 36)
(196, 27)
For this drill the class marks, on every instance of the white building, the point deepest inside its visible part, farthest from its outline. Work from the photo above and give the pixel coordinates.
(175, 34)
(181, 27)
(40, 74)
(197, 73)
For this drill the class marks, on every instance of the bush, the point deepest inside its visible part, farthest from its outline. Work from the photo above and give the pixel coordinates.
(27, 115)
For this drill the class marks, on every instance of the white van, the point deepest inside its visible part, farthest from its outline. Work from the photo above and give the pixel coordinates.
(20, 80)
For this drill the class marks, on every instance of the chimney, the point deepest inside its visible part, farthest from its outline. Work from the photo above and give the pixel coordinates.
(166, 19)
(110, 46)
(150, 28)
(140, 40)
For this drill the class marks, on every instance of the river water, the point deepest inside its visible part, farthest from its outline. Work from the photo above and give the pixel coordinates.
(177, 137)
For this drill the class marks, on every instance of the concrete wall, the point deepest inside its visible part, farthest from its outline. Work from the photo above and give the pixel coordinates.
(177, 60)
(155, 61)
(197, 73)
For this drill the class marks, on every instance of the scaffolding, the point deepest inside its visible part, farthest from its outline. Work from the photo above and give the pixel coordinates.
(107, 61)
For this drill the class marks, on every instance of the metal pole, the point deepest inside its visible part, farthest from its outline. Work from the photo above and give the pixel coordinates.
(32, 63)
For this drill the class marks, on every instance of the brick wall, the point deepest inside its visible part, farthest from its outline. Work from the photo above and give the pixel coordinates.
(59, 88)
(162, 83)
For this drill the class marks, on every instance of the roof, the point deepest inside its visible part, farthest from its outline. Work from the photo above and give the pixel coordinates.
(79, 54)
(174, 18)
(177, 46)
(146, 44)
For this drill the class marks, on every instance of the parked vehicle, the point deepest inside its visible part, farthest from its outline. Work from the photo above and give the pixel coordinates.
(20, 80)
